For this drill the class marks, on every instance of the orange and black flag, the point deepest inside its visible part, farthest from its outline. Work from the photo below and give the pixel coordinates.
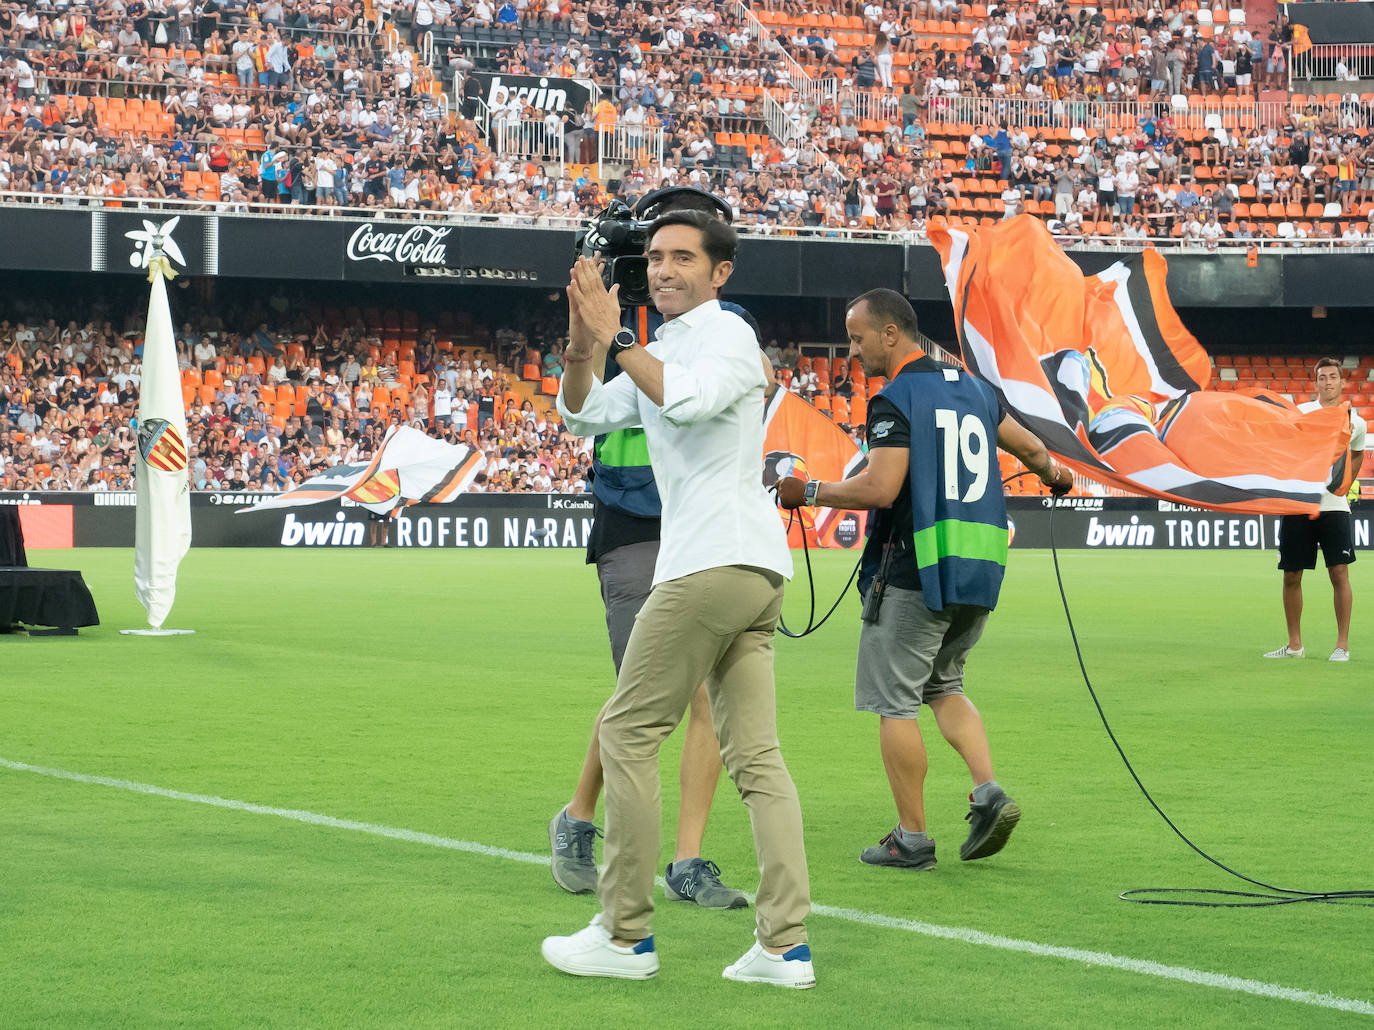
(376, 488)
(800, 441)
(1302, 39)
(408, 468)
(1102, 369)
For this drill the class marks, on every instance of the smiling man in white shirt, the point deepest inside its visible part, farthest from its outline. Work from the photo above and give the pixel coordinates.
(698, 392)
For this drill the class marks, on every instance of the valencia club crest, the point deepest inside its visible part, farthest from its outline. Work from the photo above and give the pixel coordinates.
(161, 445)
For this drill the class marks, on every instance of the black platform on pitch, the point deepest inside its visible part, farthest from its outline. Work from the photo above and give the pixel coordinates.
(46, 597)
(11, 538)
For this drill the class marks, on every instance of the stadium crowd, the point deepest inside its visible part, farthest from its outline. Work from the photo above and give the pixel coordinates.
(274, 398)
(945, 110)
(331, 105)
(69, 394)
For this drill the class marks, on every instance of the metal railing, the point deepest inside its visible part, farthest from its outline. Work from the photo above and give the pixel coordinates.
(866, 104)
(781, 125)
(628, 144)
(481, 116)
(1320, 62)
(907, 237)
(812, 91)
(1183, 111)
(591, 86)
(530, 139)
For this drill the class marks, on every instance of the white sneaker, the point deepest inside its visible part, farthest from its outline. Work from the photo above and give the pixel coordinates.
(1340, 655)
(589, 952)
(1286, 652)
(790, 969)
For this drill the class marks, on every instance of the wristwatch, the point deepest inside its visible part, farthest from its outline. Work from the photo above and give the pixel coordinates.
(622, 341)
(809, 492)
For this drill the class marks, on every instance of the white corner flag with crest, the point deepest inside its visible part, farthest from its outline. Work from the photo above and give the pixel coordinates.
(163, 522)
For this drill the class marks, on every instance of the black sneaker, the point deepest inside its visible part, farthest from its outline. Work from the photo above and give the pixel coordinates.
(893, 851)
(698, 880)
(990, 824)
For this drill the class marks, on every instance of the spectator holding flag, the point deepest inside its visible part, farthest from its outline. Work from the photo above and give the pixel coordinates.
(1332, 530)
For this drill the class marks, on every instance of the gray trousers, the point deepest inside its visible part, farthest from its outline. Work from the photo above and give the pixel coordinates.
(626, 576)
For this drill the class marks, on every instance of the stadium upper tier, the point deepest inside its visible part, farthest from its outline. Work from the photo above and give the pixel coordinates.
(1160, 124)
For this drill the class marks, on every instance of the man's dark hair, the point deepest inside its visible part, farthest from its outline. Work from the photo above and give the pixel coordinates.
(889, 307)
(1327, 363)
(718, 240)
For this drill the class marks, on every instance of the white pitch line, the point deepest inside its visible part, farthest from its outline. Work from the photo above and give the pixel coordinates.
(1102, 959)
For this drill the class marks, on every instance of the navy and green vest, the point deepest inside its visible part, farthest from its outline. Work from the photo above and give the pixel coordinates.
(959, 517)
(621, 475)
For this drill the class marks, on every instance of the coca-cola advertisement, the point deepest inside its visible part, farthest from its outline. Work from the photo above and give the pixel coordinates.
(400, 244)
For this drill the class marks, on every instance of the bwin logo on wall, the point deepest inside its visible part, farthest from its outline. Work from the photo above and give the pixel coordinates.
(339, 533)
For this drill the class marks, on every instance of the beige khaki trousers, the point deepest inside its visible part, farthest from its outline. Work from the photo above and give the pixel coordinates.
(714, 627)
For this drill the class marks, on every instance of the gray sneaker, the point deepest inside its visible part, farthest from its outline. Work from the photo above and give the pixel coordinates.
(990, 824)
(698, 880)
(1286, 652)
(893, 851)
(573, 844)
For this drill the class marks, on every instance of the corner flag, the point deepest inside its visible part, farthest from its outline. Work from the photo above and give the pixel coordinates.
(163, 519)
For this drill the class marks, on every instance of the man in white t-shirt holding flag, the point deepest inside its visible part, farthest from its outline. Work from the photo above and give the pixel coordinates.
(1332, 530)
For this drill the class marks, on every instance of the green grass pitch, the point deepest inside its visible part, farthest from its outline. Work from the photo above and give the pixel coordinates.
(451, 693)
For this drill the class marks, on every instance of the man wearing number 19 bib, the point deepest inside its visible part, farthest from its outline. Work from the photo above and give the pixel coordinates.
(932, 567)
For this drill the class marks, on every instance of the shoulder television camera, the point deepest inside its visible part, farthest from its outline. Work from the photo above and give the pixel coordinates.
(618, 233)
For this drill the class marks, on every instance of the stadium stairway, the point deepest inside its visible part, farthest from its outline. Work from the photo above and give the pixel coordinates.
(1259, 14)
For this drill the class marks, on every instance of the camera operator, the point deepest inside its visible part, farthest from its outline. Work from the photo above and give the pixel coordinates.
(698, 393)
(624, 547)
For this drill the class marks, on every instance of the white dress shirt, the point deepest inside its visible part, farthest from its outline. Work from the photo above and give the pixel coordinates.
(705, 444)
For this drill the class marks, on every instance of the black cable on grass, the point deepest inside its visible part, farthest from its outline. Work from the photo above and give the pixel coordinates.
(811, 624)
(1139, 895)
(1151, 895)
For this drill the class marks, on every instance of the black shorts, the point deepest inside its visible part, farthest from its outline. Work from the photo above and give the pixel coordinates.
(1299, 537)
